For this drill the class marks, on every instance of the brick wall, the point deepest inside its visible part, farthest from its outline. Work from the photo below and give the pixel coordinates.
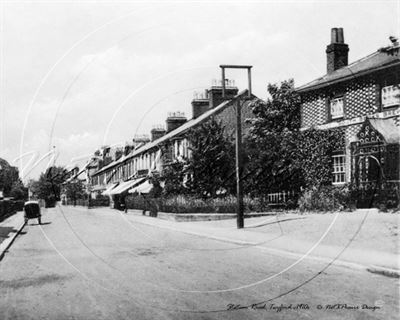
(313, 109)
(228, 118)
(361, 98)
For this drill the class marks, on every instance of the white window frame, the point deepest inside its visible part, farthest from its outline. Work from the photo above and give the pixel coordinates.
(336, 103)
(390, 96)
(339, 169)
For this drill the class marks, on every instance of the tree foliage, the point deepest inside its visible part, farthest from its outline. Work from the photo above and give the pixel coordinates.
(19, 191)
(271, 145)
(48, 186)
(174, 175)
(211, 165)
(75, 190)
(8, 176)
(279, 155)
(314, 155)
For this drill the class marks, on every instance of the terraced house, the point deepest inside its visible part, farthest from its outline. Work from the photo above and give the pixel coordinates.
(363, 100)
(129, 172)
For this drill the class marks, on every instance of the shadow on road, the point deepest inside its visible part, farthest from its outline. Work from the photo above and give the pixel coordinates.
(5, 232)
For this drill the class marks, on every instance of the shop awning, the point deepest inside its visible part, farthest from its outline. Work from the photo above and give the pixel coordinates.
(98, 188)
(108, 190)
(123, 186)
(145, 187)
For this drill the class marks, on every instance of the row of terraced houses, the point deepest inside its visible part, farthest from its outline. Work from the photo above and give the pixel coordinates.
(361, 98)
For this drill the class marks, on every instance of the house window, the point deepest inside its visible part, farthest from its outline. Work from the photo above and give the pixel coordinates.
(390, 96)
(337, 108)
(339, 169)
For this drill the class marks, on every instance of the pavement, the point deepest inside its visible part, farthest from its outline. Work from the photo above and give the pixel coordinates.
(9, 229)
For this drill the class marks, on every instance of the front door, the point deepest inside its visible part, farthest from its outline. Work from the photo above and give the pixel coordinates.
(368, 180)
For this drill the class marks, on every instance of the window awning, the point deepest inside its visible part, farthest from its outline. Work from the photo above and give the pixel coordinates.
(125, 186)
(142, 188)
(108, 190)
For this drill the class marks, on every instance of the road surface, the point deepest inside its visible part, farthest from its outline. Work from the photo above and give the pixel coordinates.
(102, 264)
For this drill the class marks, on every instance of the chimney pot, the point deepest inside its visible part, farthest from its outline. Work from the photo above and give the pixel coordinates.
(340, 38)
(334, 35)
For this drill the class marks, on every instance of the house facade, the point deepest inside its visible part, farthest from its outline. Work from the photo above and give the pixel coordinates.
(170, 143)
(362, 99)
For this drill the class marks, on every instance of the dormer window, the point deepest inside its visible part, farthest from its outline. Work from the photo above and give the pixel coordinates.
(390, 96)
(336, 108)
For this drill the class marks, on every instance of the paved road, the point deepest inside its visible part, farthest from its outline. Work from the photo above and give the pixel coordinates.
(98, 264)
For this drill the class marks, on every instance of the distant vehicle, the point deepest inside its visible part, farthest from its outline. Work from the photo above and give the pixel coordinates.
(32, 211)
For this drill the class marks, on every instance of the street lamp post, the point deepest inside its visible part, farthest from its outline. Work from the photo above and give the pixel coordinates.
(239, 164)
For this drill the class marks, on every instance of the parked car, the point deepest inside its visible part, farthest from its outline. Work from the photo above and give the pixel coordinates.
(32, 211)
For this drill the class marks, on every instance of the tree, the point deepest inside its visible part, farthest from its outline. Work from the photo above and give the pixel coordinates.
(48, 186)
(18, 191)
(271, 146)
(8, 176)
(74, 190)
(174, 176)
(279, 155)
(211, 165)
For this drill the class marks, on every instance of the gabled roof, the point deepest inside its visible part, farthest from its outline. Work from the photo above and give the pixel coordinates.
(87, 165)
(383, 58)
(388, 128)
(177, 132)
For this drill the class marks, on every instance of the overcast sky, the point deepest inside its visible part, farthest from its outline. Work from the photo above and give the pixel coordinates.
(80, 74)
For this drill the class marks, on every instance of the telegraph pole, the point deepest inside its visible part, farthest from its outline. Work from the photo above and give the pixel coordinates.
(239, 164)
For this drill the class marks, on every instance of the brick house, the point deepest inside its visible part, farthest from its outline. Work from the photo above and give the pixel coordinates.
(363, 100)
(169, 144)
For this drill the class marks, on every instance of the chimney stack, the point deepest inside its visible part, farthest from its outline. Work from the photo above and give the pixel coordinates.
(200, 104)
(140, 140)
(175, 120)
(157, 132)
(337, 51)
(215, 92)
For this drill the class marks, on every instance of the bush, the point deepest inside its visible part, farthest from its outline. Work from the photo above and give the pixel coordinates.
(326, 198)
(9, 207)
(190, 204)
(102, 201)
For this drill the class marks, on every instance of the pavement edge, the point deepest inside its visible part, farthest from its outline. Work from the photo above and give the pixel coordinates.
(6, 244)
(393, 273)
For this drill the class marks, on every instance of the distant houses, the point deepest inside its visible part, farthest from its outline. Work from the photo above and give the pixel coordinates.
(167, 144)
(362, 99)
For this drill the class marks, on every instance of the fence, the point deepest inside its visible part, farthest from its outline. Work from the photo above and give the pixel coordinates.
(102, 202)
(282, 198)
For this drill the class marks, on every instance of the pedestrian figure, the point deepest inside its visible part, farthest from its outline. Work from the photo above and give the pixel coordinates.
(145, 204)
(154, 195)
(123, 202)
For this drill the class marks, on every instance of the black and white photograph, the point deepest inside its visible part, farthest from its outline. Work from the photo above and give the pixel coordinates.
(193, 160)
